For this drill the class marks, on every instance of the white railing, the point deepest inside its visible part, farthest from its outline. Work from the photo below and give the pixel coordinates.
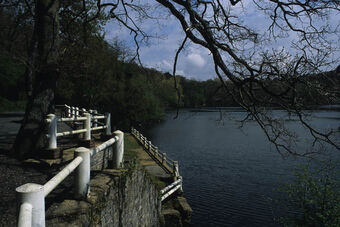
(170, 189)
(170, 165)
(72, 111)
(31, 197)
(89, 118)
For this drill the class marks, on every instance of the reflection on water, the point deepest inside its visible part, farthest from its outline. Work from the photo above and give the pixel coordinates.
(229, 173)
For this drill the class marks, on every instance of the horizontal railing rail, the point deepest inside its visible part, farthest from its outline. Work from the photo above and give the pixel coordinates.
(31, 197)
(170, 189)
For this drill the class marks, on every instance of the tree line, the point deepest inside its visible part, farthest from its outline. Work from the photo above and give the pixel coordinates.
(59, 48)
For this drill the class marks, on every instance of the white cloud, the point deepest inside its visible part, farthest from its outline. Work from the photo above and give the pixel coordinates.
(166, 64)
(180, 72)
(196, 60)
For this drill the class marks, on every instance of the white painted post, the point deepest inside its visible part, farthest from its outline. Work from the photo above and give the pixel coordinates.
(175, 168)
(33, 194)
(52, 131)
(73, 111)
(163, 157)
(91, 112)
(77, 112)
(69, 112)
(95, 122)
(108, 124)
(82, 173)
(25, 215)
(118, 150)
(82, 125)
(150, 146)
(181, 188)
(87, 126)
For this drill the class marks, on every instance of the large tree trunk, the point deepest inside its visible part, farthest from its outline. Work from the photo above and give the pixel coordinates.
(30, 138)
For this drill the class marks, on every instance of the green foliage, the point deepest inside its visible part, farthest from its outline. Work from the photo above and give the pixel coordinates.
(98, 79)
(316, 196)
(11, 72)
(10, 106)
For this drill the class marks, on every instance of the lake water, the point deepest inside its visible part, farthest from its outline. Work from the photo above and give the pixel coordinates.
(229, 173)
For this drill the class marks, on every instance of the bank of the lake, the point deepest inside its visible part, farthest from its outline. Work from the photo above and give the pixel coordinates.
(231, 173)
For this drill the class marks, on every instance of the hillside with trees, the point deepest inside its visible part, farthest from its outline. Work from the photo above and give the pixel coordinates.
(55, 52)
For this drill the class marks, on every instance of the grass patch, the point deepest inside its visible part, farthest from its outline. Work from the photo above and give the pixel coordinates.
(157, 182)
(130, 144)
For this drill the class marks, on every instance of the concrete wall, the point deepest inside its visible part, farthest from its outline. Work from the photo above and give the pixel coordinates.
(117, 198)
(100, 160)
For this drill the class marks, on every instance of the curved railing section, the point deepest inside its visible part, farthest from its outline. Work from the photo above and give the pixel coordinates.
(164, 161)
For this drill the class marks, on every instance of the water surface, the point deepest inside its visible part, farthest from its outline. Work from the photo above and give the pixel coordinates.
(229, 173)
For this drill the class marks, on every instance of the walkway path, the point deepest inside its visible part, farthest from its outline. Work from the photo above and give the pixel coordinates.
(134, 148)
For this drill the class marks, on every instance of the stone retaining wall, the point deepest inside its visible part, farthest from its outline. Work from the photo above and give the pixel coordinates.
(100, 160)
(117, 198)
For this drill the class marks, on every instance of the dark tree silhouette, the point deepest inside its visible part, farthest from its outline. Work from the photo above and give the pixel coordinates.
(254, 76)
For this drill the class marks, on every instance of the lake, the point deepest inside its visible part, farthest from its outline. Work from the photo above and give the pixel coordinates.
(230, 172)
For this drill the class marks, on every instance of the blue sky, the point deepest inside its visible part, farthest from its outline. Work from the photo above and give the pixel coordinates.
(194, 62)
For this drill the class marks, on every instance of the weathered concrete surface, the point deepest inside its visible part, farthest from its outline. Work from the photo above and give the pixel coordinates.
(149, 163)
(177, 212)
(117, 198)
(185, 210)
(172, 218)
(125, 197)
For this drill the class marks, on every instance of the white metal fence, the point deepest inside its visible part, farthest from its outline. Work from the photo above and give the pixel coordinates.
(89, 122)
(168, 164)
(31, 197)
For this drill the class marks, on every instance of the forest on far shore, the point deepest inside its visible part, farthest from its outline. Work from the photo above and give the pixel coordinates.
(100, 74)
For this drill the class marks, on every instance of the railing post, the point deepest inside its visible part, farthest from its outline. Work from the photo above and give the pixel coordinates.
(32, 194)
(68, 111)
(163, 157)
(87, 126)
(83, 110)
(108, 124)
(181, 188)
(52, 131)
(77, 112)
(175, 169)
(82, 173)
(90, 112)
(118, 150)
(150, 147)
(95, 122)
(73, 111)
